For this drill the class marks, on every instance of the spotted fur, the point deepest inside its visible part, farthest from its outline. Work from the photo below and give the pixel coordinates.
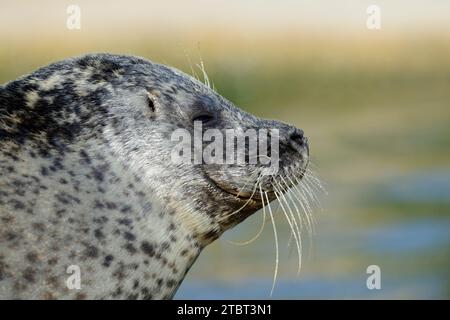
(86, 180)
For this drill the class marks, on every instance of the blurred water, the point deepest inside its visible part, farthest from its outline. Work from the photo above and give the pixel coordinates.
(316, 288)
(422, 187)
(407, 238)
(413, 251)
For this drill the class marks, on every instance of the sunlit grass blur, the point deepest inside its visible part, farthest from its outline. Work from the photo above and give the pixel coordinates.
(376, 108)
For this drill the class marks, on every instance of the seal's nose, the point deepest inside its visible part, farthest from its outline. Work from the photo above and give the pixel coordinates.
(298, 141)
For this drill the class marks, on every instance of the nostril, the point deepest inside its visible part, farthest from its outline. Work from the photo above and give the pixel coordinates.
(298, 141)
(298, 137)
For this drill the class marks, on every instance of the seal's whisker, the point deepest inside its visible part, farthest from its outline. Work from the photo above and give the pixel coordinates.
(316, 181)
(292, 224)
(311, 171)
(294, 198)
(193, 73)
(246, 203)
(258, 234)
(290, 239)
(310, 176)
(309, 222)
(201, 66)
(302, 194)
(311, 193)
(299, 197)
(311, 189)
(306, 204)
(310, 201)
(256, 172)
(252, 176)
(289, 191)
(206, 81)
(275, 273)
(313, 179)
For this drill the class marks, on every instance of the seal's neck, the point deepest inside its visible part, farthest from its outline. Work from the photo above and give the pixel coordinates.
(143, 230)
(126, 243)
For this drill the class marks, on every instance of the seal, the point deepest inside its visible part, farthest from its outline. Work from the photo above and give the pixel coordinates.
(91, 207)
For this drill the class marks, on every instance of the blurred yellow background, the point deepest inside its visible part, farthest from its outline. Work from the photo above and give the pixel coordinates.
(374, 103)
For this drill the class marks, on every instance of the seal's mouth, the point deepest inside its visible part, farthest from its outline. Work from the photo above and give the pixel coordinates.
(255, 192)
(247, 195)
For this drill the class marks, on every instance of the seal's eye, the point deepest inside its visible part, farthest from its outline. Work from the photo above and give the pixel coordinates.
(204, 118)
(151, 103)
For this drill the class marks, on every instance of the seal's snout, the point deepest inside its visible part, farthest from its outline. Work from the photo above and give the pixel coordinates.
(298, 141)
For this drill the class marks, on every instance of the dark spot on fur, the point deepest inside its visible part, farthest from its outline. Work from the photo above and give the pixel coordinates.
(10, 236)
(66, 198)
(29, 274)
(52, 261)
(91, 252)
(101, 220)
(146, 295)
(32, 257)
(211, 235)
(108, 259)
(148, 248)
(80, 296)
(44, 171)
(129, 236)
(7, 219)
(98, 175)
(60, 213)
(99, 234)
(52, 282)
(17, 205)
(165, 246)
(125, 221)
(84, 157)
(171, 283)
(38, 226)
(98, 205)
(130, 248)
(125, 209)
(119, 273)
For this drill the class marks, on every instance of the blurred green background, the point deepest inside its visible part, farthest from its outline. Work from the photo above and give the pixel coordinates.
(375, 105)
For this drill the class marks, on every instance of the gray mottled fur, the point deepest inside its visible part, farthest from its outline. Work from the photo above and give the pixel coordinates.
(86, 179)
